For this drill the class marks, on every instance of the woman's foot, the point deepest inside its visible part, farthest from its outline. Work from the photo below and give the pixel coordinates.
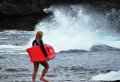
(43, 79)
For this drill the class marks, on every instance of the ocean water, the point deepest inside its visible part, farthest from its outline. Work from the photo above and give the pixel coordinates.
(86, 42)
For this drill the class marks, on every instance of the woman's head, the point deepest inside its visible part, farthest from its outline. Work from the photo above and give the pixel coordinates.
(39, 35)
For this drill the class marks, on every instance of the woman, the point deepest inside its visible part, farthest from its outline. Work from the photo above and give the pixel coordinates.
(38, 41)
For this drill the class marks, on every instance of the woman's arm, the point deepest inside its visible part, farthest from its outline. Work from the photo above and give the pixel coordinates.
(43, 49)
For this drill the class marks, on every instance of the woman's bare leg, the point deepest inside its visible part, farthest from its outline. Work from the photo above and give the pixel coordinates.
(36, 66)
(45, 70)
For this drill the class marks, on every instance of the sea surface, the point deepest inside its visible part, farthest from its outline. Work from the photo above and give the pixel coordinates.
(83, 49)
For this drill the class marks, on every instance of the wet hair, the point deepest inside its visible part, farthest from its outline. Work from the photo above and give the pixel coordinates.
(39, 35)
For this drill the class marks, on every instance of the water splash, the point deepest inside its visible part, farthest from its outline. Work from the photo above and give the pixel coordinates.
(112, 76)
(74, 27)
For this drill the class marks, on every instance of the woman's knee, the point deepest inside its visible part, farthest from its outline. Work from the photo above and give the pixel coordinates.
(47, 67)
(45, 64)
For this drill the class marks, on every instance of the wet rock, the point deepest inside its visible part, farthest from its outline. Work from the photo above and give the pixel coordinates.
(21, 14)
(24, 14)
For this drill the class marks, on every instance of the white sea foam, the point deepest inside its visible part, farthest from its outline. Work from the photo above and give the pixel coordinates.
(74, 28)
(12, 48)
(112, 76)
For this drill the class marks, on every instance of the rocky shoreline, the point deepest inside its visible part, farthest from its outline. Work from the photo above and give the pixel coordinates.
(24, 14)
(20, 22)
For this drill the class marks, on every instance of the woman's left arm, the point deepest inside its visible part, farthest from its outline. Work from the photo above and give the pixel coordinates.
(43, 49)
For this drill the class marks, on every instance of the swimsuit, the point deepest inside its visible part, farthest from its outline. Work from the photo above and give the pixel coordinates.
(34, 43)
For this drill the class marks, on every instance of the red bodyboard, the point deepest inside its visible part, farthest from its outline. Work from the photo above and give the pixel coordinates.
(36, 54)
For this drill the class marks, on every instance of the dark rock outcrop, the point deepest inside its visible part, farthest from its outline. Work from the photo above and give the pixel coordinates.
(24, 14)
(20, 22)
(95, 3)
(24, 7)
(21, 14)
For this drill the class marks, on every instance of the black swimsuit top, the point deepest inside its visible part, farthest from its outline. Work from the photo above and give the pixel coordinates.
(34, 43)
